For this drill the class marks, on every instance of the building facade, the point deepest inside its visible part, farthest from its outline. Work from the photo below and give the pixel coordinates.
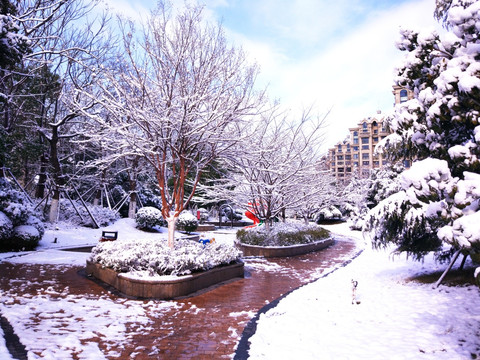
(356, 154)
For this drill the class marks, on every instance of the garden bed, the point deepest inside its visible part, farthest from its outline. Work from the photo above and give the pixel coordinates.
(283, 251)
(168, 288)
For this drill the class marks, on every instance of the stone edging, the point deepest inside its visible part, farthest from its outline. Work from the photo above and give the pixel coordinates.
(164, 289)
(283, 251)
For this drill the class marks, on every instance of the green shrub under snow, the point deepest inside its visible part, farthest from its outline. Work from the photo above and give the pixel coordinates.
(154, 257)
(148, 217)
(282, 234)
(20, 226)
(187, 222)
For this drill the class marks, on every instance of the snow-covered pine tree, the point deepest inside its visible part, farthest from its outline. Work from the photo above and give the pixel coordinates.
(439, 200)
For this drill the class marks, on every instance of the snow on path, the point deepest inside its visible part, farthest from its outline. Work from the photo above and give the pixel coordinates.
(395, 319)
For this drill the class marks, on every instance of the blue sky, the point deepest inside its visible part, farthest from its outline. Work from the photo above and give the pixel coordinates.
(337, 55)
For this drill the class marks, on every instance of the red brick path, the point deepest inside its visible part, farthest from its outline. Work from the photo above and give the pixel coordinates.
(211, 332)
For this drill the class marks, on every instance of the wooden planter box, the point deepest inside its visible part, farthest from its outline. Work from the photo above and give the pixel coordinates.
(171, 287)
(283, 251)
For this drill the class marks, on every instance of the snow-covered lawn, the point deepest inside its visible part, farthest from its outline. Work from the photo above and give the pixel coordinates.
(395, 319)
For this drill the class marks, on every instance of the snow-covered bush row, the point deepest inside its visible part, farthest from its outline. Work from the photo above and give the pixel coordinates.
(20, 226)
(154, 257)
(148, 217)
(103, 215)
(187, 222)
(282, 234)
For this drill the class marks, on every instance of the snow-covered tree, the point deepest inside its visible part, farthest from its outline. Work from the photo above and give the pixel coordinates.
(179, 98)
(276, 167)
(439, 200)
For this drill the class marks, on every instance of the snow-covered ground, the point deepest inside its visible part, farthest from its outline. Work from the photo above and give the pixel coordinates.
(394, 319)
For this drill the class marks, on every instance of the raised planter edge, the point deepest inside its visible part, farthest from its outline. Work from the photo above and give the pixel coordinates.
(283, 251)
(165, 289)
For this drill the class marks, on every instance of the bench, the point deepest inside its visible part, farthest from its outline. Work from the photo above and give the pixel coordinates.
(109, 235)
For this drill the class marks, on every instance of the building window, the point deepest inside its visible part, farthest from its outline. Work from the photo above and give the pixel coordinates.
(355, 140)
(376, 163)
(365, 140)
(375, 131)
(366, 163)
(365, 147)
(355, 156)
(339, 148)
(375, 139)
(403, 95)
(340, 157)
(348, 157)
(365, 156)
(355, 163)
(349, 169)
(340, 170)
(365, 127)
(355, 148)
(355, 133)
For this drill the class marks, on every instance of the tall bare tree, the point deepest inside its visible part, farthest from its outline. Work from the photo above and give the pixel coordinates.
(179, 98)
(276, 167)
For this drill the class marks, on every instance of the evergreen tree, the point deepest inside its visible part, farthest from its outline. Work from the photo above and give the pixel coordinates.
(440, 195)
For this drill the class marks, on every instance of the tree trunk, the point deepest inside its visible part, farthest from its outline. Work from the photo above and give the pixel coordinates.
(171, 221)
(54, 206)
(132, 206)
(98, 196)
(42, 177)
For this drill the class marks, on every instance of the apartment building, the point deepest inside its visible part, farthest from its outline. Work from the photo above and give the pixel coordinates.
(356, 154)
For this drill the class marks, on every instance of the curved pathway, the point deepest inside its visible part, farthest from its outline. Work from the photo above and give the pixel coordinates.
(206, 326)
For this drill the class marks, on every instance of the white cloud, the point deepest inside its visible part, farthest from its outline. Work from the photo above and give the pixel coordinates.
(354, 75)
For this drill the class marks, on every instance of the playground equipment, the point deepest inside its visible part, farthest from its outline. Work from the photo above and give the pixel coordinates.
(251, 213)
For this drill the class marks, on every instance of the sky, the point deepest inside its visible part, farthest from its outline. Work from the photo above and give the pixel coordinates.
(338, 56)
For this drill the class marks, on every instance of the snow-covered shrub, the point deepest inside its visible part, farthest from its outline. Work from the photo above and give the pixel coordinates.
(24, 237)
(153, 257)
(187, 222)
(6, 227)
(148, 217)
(103, 215)
(20, 227)
(282, 234)
(231, 215)
(330, 213)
